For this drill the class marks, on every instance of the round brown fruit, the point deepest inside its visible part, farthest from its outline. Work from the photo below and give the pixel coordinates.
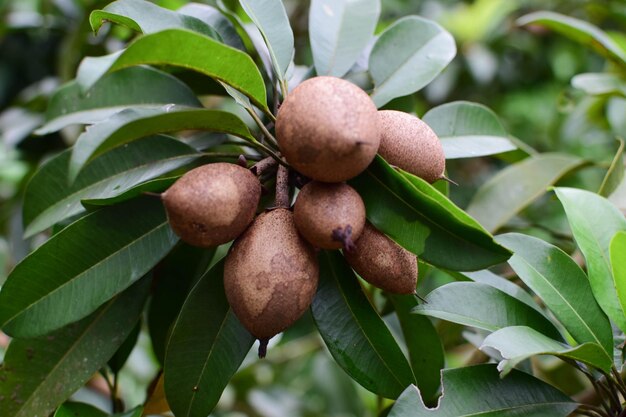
(383, 263)
(329, 216)
(327, 129)
(270, 275)
(409, 143)
(212, 204)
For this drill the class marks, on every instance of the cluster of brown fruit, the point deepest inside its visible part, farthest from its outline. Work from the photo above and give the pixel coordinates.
(328, 130)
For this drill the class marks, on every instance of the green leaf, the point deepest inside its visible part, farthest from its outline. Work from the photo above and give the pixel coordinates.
(479, 391)
(597, 83)
(271, 19)
(48, 198)
(509, 191)
(83, 266)
(131, 124)
(130, 87)
(426, 352)
(578, 30)
(407, 56)
(339, 31)
(490, 309)
(424, 221)
(116, 363)
(504, 285)
(354, 332)
(174, 277)
(615, 174)
(39, 374)
(617, 252)
(146, 17)
(562, 286)
(207, 346)
(182, 48)
(72, 409)
(157, 186)
(468, 130)
(594, 221)
(519, 343)
(214, 18)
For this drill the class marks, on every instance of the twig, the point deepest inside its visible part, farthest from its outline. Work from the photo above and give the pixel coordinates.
(282, 188)
(263, 165)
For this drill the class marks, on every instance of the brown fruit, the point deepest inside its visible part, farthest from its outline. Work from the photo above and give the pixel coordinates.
(212, 204)
(270, 275)
(327, 129)
(410, 144)
(383, 263)
(329, 216)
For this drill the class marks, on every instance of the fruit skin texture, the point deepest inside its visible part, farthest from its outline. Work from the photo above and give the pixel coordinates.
(383, 263)
(409, 143)
(327, 129)
(212, 204)
(323, 207)
(270, 275)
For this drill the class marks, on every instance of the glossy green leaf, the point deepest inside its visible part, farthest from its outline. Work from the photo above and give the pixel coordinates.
(617, 252)
(130, 87)
(207, 346)
(214, 18)
(354, 332)
(519, 343)
(156, 186)
(39, 374)
(83, 266)
(479, 391)
(174, 277)
(117, 361)
(426, 353)
(511, 190)
(594, 221)
(182, 48)
(271, 19)
(578, 30)
(424, 221)
(490, 309)
(339, 30)
(146, 17)
(468, 130)
(562, 286)
(49, 199)
(132, 124)
(504, 285)
(615, 174)
(596, 83)
(407, 56)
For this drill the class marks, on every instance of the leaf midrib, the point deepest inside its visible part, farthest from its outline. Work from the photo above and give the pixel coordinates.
(103, 260)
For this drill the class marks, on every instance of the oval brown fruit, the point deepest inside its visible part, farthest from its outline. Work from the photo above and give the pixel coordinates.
(270, 275)
(383, 263)
(329, 216)
(212, 204)
(327, 129)
(409, 143)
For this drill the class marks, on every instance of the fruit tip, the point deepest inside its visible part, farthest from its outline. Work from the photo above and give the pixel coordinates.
(263, 347)
(443, 177)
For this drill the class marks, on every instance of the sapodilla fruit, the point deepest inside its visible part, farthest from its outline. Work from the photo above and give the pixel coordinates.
(409, 143)
(327, 129)
(383, 263)
(212, 204)
(270, 275)
(329, 215)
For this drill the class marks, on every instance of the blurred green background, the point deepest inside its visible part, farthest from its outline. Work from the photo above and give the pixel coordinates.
(523, 74)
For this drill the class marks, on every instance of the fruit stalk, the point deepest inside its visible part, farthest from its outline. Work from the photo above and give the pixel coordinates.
(282, 187)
